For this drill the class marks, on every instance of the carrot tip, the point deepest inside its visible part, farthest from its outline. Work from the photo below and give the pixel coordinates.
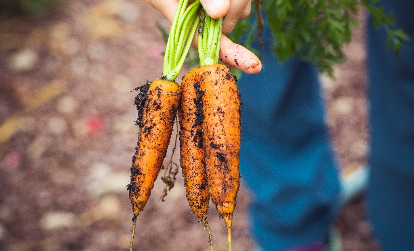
(229, 237)
(210, 236)
(134, 223)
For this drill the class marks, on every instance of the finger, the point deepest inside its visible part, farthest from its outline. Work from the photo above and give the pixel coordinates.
(167, 8)
(216, 8)
(246, 11)
(238, 10)
(237, 56)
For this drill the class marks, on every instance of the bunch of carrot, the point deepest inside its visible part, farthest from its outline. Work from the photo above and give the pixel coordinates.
(208, 105)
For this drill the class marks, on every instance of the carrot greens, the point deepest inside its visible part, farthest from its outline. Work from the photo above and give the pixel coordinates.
(209, 39)
(179, 41)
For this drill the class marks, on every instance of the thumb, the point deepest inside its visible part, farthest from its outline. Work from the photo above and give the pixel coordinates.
(216, 8)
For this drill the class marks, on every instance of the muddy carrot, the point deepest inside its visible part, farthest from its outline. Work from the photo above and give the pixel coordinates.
(221, 124)
(158, 117)
(191, 147)
(221, 138)
(157, 105)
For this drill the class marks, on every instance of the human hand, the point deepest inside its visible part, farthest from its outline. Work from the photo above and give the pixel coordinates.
(231, 54)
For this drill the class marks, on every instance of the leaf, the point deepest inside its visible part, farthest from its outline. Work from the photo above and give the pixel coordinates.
(316, 30)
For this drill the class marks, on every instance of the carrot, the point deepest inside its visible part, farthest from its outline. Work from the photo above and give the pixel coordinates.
(158, 117)
(221, 125)
(221, 138)
(157, 106)
(191, 147)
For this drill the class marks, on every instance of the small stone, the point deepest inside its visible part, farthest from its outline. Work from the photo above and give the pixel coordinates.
(357, 52)
(104, 181)
(57, 125)
(129, 12)
(57, 219)
(343, 105)
(109, 206)
(23, 60)
(67, 105)
(359, 148)
(99, 170)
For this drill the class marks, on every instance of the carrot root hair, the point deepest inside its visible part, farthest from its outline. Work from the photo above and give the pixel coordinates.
(134, 224)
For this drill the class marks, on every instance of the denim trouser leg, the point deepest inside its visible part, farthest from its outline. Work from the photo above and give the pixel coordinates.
(391, 93)
(286, 157)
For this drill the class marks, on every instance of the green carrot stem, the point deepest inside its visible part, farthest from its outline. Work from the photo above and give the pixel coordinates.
(174, 72)
(179, 40)
(209, 41)
(187, 24)
(168, 49)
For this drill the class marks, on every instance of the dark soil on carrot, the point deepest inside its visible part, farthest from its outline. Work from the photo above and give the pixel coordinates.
(68, 132)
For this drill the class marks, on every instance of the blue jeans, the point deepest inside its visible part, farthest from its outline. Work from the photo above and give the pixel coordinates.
(391, 95)
(286, 158)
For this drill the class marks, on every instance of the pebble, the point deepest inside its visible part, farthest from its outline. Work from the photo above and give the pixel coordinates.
(109, 206)
(57, 219)
(359, 148)
(67, 105)
(343, 105)
(129, 12)
(357, 52)
(105, 181)
(23, 60)
(57, 125)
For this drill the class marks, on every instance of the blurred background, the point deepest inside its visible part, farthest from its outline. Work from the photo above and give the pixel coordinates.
(68, 133)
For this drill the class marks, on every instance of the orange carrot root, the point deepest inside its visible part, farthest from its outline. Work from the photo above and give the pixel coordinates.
(156, 123)
(221, 135)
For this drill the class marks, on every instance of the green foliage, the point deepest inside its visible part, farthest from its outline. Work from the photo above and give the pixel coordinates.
(395, 37)
(191, 60)
(26, 7)
(315, 30)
